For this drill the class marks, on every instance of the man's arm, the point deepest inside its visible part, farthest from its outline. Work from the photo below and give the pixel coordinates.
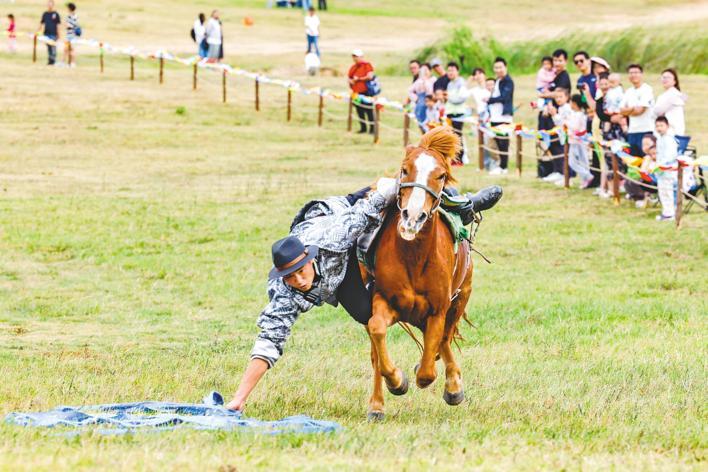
(254, 372)
(276, 322)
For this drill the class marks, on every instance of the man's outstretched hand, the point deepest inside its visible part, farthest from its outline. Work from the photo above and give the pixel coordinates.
(236, 404)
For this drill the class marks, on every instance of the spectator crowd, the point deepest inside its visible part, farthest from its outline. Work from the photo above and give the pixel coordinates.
(597, 106)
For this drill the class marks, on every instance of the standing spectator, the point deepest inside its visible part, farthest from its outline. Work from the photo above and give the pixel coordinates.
(213, 37)
(479, 92)
(72, 31)
(199, 36)
(443, 79)
(417, 92)
(414, 67)
(577, 150)
(610, 126)
(11, 34)
(587, 80)
(51, 21)
(501, 111)
(587, 87)
(359, 74)
(553, 170)
(666, 155)
(671, 104)
(637, 104)
(322, 5)
(457, 95)
(312, 30)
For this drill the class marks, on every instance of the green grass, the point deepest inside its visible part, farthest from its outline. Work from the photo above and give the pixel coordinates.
(135, 226)
(684, 47)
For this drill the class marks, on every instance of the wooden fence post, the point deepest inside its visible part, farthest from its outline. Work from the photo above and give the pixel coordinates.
(377, 119)
(406, 129)
(518, 155)
(349, 115)
(320, 111)
(480, 147)
(290, 104)
(258, 96)
(615, 180)
(566, 168)
(223, 86)
(68, 52)
(132, 67)
(34, 48)
(194, 76)
(162, 68)
(100, 56)
(679, 196)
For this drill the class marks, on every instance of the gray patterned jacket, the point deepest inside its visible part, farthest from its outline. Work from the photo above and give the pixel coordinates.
(334, 226)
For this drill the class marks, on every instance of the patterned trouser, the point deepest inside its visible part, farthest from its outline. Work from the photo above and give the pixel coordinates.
(666, 182)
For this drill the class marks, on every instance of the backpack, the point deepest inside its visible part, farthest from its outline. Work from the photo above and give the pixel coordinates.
(192, 35)
(373, 87)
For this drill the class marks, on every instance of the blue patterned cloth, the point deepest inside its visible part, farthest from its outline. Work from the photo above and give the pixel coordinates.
(121, 418)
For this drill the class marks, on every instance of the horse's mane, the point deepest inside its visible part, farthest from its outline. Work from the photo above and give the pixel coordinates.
(443, 141)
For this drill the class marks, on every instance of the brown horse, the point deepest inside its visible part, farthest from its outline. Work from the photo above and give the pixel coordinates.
(420, 280)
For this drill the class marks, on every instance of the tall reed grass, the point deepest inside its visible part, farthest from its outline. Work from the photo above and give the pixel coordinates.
(683, 47)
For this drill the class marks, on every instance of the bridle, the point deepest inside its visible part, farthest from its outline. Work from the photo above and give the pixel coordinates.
(436, 196)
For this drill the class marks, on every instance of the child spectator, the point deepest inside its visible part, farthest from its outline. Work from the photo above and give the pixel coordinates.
(312, 31)
(666, 154)
(432, 114)
(72, 31)
(615, 94)
(544, 78)
(11, 34)
(559, 113)
(577, 150)
(545, 75)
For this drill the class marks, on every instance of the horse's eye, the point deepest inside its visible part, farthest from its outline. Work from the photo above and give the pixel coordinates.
(442, 177)
(403, 172)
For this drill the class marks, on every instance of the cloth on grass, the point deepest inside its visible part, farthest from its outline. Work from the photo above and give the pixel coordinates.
(121, 418)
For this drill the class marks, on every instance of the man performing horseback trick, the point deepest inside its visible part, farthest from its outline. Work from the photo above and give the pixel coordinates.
(317, 263)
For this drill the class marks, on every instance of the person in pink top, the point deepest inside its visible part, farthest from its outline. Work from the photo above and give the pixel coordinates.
(422, 87)
(11, 34)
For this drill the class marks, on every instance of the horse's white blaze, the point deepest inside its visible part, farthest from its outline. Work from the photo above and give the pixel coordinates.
(424, 165)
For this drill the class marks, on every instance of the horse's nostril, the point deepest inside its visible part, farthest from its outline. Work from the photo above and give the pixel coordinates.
(423, 215)
(405, 214)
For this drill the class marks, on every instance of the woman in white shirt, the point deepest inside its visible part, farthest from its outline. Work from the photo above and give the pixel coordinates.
(671, 104)
(200, 35)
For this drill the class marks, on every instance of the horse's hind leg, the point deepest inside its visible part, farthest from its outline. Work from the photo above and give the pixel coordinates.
(382, 317)
(376, 402)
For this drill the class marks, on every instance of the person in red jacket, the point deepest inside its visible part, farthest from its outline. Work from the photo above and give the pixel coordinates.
(359, 74)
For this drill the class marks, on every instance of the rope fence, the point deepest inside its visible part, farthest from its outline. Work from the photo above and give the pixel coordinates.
(224, 75)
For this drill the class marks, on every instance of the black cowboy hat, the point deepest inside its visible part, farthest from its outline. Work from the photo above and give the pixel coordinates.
(287, 250)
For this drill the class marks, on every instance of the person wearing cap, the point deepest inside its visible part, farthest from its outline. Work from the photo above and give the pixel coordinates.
(359, 74)
(315, 264)
(443, 79)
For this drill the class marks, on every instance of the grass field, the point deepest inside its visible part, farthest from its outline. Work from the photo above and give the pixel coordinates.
(134, 243)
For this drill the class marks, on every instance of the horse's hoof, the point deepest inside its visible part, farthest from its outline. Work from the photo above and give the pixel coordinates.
(375, 416)
(453, 399)
(401, 389)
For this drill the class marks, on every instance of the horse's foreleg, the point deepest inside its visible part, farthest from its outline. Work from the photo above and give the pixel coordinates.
(376, 402)
(454, 393)
(431, 342)
(382, 317)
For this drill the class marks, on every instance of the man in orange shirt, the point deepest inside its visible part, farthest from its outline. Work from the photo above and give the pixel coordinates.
(359, 74)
